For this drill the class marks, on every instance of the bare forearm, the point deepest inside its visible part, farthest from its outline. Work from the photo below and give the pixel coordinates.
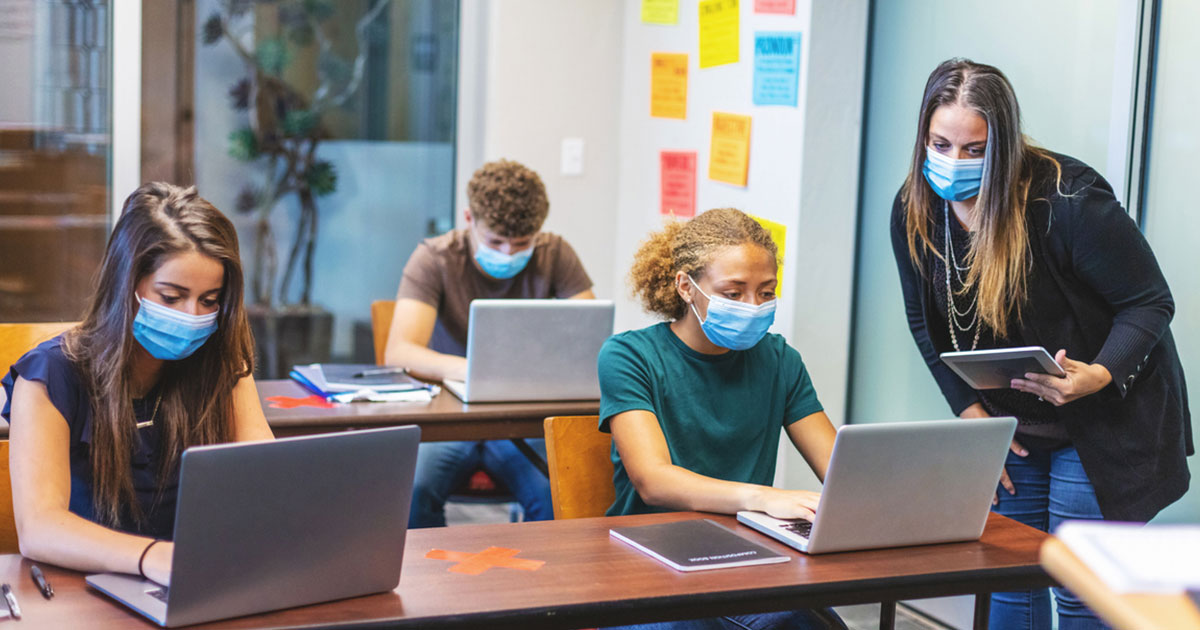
(677, 488)
(425, 363)
(68, 540)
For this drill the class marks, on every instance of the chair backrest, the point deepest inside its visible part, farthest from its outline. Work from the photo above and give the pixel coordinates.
(581, 469)
(17, 339)
(8, 524)
(381, 323)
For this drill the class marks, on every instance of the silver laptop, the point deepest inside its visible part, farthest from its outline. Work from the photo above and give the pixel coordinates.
(534, 350)
(899, 484)
(262, 526)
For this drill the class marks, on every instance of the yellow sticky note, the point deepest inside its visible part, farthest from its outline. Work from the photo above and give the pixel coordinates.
(668, 85)
(729, 154)
(718, 32)
(660, 11)
(779, 235)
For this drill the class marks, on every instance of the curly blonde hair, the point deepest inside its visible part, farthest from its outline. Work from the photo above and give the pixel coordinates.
(509, 198)
(689, 246)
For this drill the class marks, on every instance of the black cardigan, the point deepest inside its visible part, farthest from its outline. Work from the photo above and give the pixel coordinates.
(1095, 289)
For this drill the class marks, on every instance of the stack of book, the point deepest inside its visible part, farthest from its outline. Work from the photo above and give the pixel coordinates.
(350, 382)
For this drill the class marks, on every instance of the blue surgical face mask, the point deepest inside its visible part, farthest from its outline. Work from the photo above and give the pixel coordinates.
(951, 179)
(168, 334)
(732, 324)
(500, 265)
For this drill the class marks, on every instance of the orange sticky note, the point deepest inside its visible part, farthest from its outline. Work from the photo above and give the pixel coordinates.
(668, 85)
(729, 154)
(718, 32)
(678, 183)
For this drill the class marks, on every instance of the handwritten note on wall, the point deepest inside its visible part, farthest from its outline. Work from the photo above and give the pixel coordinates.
(678, 183)
(786, 7)
(779, 235)
(660, 11)
(668, 85)
(718, 32)
(776, 68)
(729, 154)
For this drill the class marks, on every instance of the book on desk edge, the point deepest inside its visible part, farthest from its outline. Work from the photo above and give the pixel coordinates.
(695, 545)
(335, 382)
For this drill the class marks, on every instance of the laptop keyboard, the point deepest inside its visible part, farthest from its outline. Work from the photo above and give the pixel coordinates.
(158, 593)
(799, 527)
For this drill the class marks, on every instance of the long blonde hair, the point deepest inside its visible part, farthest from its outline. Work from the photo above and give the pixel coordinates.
(196, 394)
(999, 255)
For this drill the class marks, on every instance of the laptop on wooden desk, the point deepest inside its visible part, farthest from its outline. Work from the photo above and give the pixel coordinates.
(263, 526)
(534, 350)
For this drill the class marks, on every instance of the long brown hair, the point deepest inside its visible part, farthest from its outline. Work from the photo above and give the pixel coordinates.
(999, 255)
(158, 222)
(689, 246)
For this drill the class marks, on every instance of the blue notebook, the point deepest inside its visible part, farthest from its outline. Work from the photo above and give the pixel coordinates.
(355, 381)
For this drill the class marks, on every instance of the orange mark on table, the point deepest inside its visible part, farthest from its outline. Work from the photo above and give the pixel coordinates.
(291, 402)
(476, 563)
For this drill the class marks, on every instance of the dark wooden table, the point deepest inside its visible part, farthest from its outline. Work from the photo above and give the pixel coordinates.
(445, 418)
(591, 580)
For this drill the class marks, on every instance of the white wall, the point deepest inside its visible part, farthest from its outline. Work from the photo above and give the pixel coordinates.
(549, 72)
(16, 73)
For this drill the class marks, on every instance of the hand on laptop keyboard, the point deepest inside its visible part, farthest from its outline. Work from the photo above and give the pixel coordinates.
(788, 504)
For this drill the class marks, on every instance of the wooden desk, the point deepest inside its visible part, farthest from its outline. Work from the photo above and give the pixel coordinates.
(445, 418)
(589, 579)
(1133, 611)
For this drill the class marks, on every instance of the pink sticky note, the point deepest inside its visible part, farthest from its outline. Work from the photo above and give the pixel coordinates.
(678, 183)
(786, 7)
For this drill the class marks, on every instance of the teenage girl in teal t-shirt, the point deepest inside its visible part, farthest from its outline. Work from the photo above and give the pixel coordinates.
(695, 404)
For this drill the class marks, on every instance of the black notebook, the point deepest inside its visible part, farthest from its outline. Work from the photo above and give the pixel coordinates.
(695, 545)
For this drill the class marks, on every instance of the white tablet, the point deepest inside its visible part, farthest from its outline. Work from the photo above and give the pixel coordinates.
(995, 369)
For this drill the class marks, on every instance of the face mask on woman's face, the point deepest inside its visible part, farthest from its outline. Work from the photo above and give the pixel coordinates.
(168, 334)
(732, 324)
(951, 179)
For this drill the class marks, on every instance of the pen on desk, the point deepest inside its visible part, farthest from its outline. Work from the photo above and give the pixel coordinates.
(11, 598)
(40, 580)
(380, 372)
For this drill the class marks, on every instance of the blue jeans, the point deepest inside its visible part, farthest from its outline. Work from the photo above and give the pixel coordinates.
(1051, 487)
(444, 466)
(799, 619)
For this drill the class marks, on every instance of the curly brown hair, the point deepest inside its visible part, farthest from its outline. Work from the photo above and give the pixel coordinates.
(509, 198)
(689, 246)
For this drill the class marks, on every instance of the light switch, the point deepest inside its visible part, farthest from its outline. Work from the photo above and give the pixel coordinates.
(572, 156)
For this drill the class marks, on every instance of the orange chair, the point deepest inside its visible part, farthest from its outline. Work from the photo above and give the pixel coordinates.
(581, 469)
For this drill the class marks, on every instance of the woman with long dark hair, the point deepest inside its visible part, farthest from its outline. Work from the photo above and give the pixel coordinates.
(1001, 243)
(100, 416)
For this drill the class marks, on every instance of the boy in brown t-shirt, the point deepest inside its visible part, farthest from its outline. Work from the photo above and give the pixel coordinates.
(499, 254)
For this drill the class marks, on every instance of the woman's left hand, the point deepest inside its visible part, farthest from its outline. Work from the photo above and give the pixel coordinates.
(1081, 379)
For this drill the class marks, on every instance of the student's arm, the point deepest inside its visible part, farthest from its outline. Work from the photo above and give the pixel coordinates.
(813, 436)
(249, 422)
(643, 450)
(583, 295)
(39, 447)
(408, 340)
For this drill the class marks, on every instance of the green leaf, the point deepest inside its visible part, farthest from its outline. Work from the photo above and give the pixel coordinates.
(321, 178)
(299, 122)
(273, 55)
(243, 145)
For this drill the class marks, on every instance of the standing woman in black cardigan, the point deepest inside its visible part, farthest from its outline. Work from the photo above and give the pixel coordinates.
(1000, 243)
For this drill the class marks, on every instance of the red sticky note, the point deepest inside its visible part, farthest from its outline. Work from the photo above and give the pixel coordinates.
(786, 7)
(678, 183)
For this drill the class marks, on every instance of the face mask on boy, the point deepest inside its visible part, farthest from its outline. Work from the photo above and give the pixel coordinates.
(732, 324)
(499, 265)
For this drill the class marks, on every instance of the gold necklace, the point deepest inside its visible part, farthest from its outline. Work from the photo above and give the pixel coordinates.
(153, 414)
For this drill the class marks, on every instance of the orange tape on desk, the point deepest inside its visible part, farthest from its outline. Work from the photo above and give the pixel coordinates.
(291, 402)
(476, 563)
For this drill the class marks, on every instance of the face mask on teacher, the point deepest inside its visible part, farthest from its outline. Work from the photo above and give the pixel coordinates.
(732, 324)
(168, 334)
(951, 179)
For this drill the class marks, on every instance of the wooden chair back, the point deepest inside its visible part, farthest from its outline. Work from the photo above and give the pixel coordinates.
(8, 524)
(381, 323)
(17, 339)
(579, 457)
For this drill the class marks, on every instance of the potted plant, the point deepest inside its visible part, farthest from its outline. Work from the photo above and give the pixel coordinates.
(284, 125)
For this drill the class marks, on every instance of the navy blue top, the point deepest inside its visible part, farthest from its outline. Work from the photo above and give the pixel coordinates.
(48, 365)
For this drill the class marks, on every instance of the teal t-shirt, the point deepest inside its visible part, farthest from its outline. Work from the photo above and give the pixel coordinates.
(721, 414)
